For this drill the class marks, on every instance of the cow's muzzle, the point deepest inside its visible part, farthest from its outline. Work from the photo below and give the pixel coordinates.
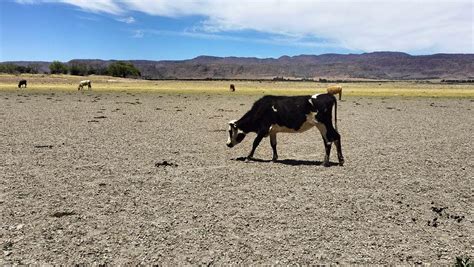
(229, 145)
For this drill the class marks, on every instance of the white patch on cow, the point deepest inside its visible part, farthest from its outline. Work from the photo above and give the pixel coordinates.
(233, 133)
(322, 129)
(308, 124)
(313, 97)
(274, 109)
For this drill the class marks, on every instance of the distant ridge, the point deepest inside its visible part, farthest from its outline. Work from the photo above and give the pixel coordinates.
(376, 65)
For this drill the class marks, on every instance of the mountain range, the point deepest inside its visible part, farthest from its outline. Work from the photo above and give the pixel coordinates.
(376, 65)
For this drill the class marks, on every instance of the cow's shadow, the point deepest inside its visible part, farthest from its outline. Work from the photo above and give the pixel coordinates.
(291, 162)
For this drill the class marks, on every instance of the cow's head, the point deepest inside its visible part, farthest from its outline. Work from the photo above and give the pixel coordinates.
(235, 134)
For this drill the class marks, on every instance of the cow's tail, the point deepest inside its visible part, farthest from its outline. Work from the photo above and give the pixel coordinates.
(335, 113)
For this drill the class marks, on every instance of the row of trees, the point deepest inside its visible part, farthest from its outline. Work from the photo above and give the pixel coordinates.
(117, 69)
(12, 68)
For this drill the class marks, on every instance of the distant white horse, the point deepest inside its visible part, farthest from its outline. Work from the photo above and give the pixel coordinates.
(84, 83)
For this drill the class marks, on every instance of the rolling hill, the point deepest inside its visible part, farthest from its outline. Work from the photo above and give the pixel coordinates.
(376, 65)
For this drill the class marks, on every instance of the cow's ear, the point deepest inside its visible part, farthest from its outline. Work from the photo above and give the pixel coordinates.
(232, 123)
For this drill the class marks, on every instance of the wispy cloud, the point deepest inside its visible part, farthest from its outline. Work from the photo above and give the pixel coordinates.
(281, 40)
(368, 25)
(107, 6)
(138, 34)
(89, 18)
(128, 20)
(26, 1)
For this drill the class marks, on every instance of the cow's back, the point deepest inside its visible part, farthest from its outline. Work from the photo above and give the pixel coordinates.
(285, 111)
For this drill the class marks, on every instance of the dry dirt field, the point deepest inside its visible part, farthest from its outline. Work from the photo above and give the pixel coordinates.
(84, 180)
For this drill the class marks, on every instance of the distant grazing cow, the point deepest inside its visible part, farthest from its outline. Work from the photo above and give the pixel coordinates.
(232, 87)
(335, 89)
(22, 82)
(291, 114)
(84, 83)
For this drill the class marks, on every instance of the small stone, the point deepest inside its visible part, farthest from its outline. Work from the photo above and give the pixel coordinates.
(20, 226)
(7, 253)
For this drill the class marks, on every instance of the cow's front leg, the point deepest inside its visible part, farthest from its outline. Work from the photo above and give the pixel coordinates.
(256, 142)
(340, 157)
(273, 143)
(327, 146)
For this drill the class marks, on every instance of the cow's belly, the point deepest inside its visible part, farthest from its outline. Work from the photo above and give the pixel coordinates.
(308, 124)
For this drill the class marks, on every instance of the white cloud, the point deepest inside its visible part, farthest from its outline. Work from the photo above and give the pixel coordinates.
(107, 6)
(127, 20)
(416, 26)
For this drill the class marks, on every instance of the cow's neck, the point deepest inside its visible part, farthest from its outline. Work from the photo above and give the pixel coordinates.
(246, 124)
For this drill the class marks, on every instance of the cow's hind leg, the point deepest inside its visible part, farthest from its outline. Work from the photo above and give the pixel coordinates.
(273, 143)
(256, 142)
(340, 157)
(327, 146)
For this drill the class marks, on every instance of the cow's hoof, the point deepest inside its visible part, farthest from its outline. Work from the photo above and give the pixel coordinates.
(274, 159)
(326, 164)
(341, 162)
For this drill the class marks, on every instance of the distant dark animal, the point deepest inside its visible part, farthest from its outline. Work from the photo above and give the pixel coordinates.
(232, 88)
(336, 89)
(22, 82)
(84, 83)
(291, 114)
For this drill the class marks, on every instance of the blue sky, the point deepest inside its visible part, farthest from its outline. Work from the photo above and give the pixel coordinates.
(168, 30)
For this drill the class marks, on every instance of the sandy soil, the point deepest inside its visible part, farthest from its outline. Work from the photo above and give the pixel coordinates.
(84, 180)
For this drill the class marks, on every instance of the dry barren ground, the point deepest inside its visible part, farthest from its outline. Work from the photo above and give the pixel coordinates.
(84, 180)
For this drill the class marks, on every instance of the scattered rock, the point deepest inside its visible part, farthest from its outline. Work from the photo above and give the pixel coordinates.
(165, 164)
(44, 146)
(438, 210)
(60, 214)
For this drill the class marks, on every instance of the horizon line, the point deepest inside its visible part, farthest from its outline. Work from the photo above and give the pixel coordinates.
(245, 57)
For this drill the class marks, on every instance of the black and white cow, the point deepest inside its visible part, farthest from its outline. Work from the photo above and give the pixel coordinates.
(21, 83)
(291, 114)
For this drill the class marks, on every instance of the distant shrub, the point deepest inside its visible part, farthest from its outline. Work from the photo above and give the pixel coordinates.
(16, 69)
(123, 69)
(78, 69)
(97, 70)
(57, 67)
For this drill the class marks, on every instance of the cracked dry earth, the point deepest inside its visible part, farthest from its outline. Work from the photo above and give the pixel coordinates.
(117, 177)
